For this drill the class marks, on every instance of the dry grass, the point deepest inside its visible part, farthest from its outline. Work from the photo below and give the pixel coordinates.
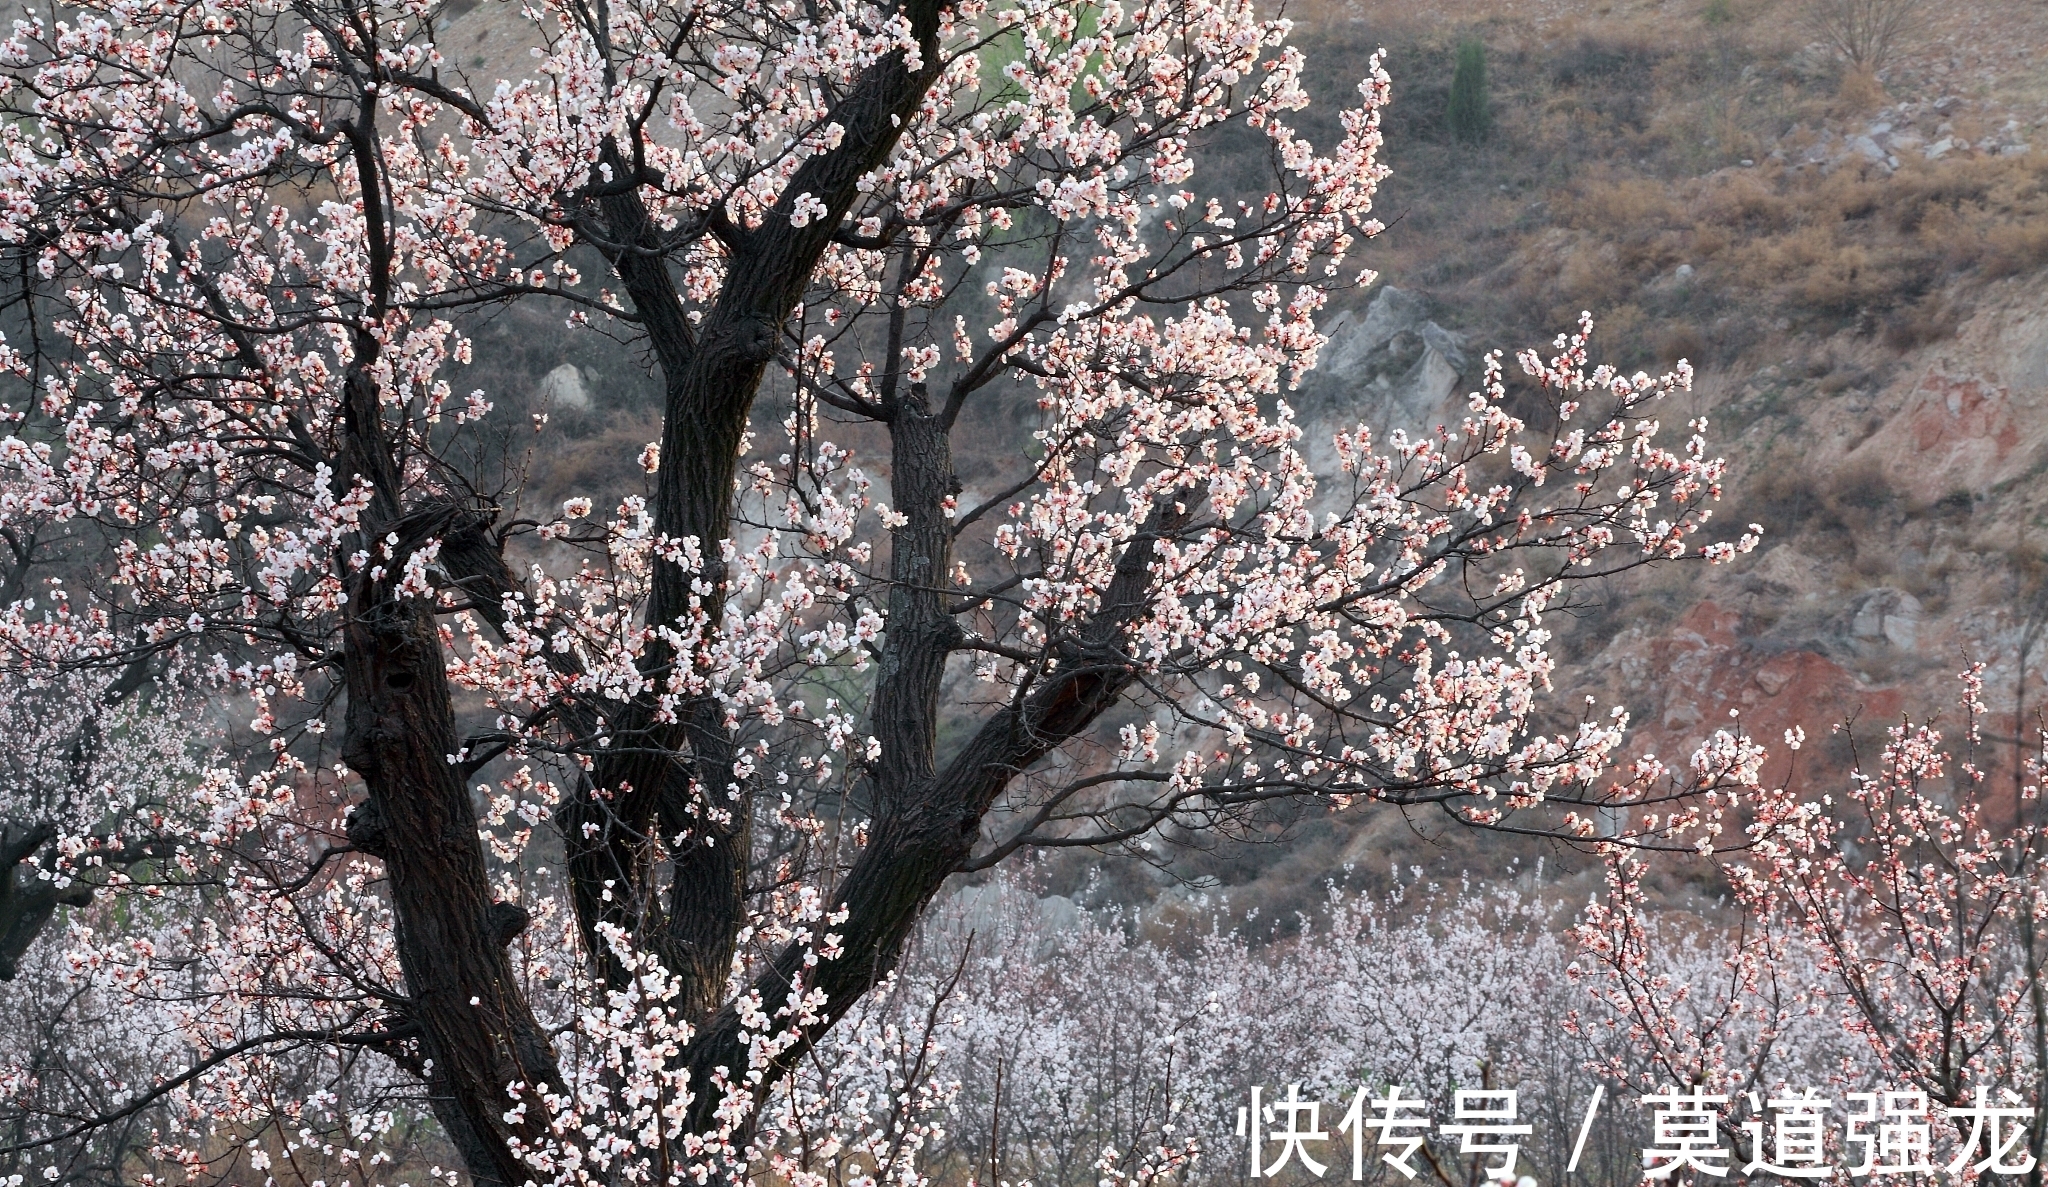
(1859, 92)
(1853, 247)
(1860, 241)
(1623, 125)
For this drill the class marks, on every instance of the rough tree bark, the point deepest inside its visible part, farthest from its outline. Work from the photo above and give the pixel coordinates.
(399, 736)
(479, 1030)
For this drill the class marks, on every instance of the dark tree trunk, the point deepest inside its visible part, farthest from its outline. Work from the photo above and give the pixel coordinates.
(399, 735)
(669, 775)
(666, 775)
(27, 902)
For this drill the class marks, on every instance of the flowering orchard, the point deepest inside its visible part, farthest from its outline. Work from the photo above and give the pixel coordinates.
(1065, 1038)
(577, 830)
(1874, 1013)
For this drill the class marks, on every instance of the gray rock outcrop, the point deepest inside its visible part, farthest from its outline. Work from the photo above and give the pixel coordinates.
(1392, 368)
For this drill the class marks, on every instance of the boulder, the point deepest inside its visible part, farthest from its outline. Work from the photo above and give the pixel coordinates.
(563, 388)
(1889, 614)
(1393, 368)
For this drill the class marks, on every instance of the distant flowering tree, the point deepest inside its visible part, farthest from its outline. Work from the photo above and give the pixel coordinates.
(89, 772)
(642, 799)
(1138, 1029)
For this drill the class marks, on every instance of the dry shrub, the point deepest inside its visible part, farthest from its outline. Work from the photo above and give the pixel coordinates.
(1942, 232)
(1646, 256)
(1859, 91)
(1629, 230)
(1784, 259)
(1819, 270)
(1620, 59)
(1745, 199)
(1732, 134)
(1681, 341)
(1923, 322)
(1787, 494)
(1861, 488)
(1603, 106)
(1867, 33)
(1967, 126)
(1781, 494)
(1844, 281)
(606, 465)
(1620, 205)
(1977, 185)
(1622, 326)
(1990, 213)
(1591, 276)
(1954, 242)
(1948, 183)
(1710, 242)
(1858, 243)
(1849, 194)
(2014, 248)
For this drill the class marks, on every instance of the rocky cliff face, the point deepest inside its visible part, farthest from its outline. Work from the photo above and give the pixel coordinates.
(1394, 365)
(1904, 542)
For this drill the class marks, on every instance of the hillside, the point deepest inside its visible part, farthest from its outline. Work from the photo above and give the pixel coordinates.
(979, 708)
(1854, 265)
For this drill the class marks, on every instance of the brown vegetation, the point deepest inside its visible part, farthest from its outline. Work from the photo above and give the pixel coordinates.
(1632, 141)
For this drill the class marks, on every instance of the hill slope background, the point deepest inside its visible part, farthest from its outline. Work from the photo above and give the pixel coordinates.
(1854, 266)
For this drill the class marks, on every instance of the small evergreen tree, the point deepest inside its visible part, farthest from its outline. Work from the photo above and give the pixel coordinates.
(1470, 115)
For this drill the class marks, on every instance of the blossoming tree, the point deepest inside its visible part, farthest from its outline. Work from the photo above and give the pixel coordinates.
(85, 768)
(641, 800)
(1897, 910)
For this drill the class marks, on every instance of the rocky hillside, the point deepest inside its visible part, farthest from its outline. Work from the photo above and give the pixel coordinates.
(1861, 288)
(1901, 513)
(1856, 267)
